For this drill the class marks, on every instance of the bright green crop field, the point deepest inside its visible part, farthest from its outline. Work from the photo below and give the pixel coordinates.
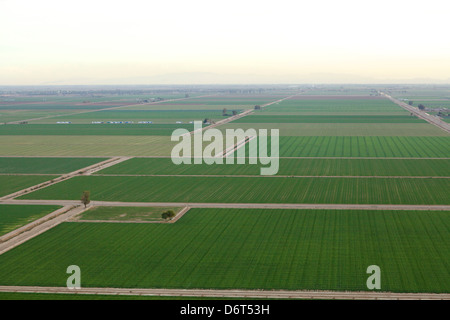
(343, 129)
(16, 216)
(246, 249)
(251, 190)
(360, 146)
(290, 166)
(45, 165)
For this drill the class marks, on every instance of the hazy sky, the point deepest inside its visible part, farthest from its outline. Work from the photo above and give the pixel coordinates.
(236, 41)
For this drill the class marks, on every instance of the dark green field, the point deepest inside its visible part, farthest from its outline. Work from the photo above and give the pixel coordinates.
(45, 165)
(360, 146)
(251, 190)
(247, 249)
(290, 166)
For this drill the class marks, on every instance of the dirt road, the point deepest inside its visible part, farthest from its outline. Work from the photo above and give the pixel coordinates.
(237, 205)
(253, 294)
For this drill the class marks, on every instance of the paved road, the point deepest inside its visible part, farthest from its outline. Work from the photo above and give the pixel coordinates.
(236, 205)
(272, 294)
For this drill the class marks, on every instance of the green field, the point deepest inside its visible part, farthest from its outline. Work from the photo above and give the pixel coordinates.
(16, 216)
(305, 167)
(269, 118)
(251, 190)
(11, 183)
(94, 129)
(363, 146)
(246, 249)
(126, 213)
(330, 106)
(343, 129)
(45, 165)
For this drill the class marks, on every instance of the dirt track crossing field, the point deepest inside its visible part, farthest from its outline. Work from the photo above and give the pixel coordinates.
(251, 294)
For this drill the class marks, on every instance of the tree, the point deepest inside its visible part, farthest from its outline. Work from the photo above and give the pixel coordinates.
(421, 107)
(257, 107)
(224, 112)
(169, 214)
(410, 102)
(86, 198)
(234, 112)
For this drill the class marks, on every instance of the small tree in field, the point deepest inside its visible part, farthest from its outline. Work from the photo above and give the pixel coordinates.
(224, 112)
(421, 107)
(410, 102)
(86, 198)
(169, 214)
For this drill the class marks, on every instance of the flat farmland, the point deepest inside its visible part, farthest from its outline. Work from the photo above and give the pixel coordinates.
(80, 145)
(343, 129)
(157, 116)
(16, 216)
(152, 129)
(12, 183)
(322, 105)
(266, 118)
(289, 166)
(45, 165)
(363, 146)
(244, 249)
(251, 190)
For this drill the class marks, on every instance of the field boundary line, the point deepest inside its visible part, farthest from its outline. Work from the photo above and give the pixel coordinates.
(266, 176)
(192, 205)
(276, 294)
